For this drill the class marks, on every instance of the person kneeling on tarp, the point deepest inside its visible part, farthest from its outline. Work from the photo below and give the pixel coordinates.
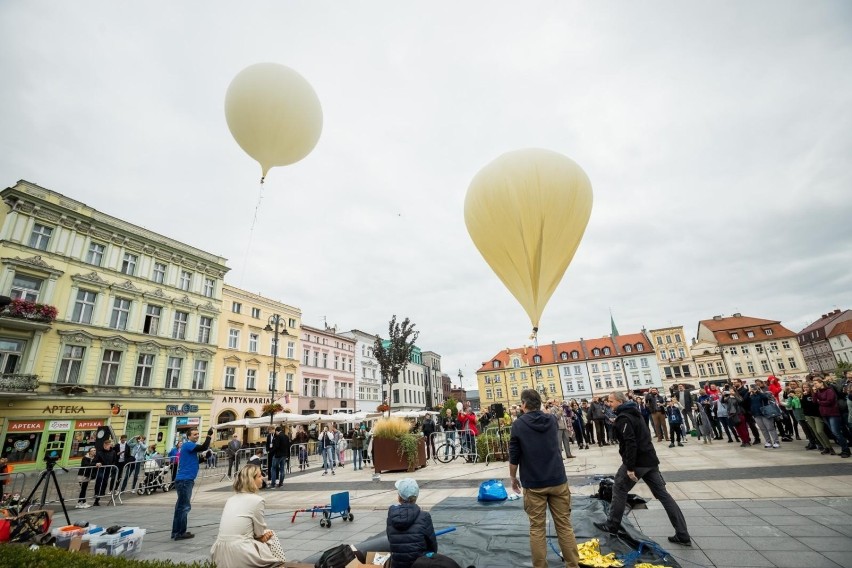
(410, 530)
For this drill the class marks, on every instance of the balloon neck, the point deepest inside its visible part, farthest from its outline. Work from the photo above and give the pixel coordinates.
(261, 179)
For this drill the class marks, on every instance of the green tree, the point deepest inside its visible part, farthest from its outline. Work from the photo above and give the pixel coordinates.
(451, 404)
(842, 367)
(393, 358)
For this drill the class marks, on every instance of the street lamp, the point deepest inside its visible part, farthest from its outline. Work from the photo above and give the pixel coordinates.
(278, 326)
(769, 350)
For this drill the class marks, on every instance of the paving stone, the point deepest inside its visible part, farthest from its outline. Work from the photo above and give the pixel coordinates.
(773, 542)
(798, 559)
(706, 543)
(840, 558)
(828, 543)
(812, 529)
(710, 530)
(730, 512)
(738, 558)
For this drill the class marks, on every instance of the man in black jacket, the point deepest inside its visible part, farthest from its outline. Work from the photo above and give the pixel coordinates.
(410, 530)
(105, 461)
(639, 461)
(684, 397)
(534, 446)
(656, 404)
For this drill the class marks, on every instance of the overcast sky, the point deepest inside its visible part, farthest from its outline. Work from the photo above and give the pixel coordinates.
(717, 137)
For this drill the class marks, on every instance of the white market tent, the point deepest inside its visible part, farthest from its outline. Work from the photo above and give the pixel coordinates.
(339, 418)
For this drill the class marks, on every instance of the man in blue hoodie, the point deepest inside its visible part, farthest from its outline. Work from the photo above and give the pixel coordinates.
(639, 461)
(534, 446)
(185, 480)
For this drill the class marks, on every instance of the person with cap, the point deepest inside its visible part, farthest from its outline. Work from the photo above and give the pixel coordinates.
(232, 450)
(410, 530)
(534, 446)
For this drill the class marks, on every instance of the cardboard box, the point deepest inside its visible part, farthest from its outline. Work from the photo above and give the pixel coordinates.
(374, 560)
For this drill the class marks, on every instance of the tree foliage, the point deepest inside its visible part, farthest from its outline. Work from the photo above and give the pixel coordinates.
(394, 358)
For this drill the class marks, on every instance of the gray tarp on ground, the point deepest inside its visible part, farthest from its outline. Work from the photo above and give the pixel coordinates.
(496, 535)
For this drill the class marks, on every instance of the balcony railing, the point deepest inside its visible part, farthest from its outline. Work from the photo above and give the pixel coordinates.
(15, 382)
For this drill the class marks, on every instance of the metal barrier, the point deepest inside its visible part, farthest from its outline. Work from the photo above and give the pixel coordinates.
(73, 483)
(13, 483)
(453, 444)
(497, 441)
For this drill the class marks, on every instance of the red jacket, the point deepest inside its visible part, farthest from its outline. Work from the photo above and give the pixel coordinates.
(774, 386)
(470, 419)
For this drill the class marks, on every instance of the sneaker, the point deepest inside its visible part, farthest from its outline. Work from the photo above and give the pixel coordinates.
(332, 472)
(82, 506)
(845, 454)
(682, 541)
(767, 445)
(185, 536)
(671, 445)
(325, 473)
(776, 445)
(679, 444)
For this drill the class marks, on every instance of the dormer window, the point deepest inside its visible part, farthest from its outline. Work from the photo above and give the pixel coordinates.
(749, 334)
(596, 352)
(735, 335)
(767, 331)
(563, 356)
(575, 355)
(495, 364)
(640, 347)
(606, 351)
(537, 359)
(628, 348)
(515, 363)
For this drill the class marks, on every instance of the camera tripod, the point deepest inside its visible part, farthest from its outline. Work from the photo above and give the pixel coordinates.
(43, 478)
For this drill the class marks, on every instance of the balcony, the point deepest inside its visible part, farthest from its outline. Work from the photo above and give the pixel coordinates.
(18, 383)
(21, 314)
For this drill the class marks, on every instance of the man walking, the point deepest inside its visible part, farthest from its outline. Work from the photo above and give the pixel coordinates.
(185, 480)
(639, 461)
(233, 450)
(534, 446)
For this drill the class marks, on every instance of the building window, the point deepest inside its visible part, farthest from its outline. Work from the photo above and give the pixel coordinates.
(84, 307)
(120, 314)
(185, 282)
(144, 369)
(606, 351)
(640, 347)
(563, 356)
(273, 383)
(273, 347)
(230, 377)
(233, 338)
(205, 327)
(495, 364)
(663, 354)
(325, 360)
(765, 366)
(291, 349)
(720, 369)
(255, 313)
(644, 363)
(236, 307)
(152, 320)
(701, 370)
(629, 348)
(159, 275)
(40, 236)
(785, 344)
(605, 367)
(767, 331)
(780, 364)
(659, 340)
(209, 287)
(792, 362)
(550, 373)
(596, 351)
(750, 367)
(677, 337)
(595, 367)
(738, 368)
(668, 339)
(199, 375)
(109, 367)
(749, 334)
(307, 357)
(681, 353)
(251, 379)
(128, 265)
(179, 327)
(291, 323)
(758, 349)
(72, 362)
(253, 339)
(289, 382)
(25, 288)
(173, 372)
(95, 255)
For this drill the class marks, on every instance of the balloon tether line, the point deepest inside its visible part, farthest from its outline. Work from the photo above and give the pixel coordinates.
(251, 231)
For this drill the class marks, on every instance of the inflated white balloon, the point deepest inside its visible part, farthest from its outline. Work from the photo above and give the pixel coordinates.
(459, 406)
(274, 114)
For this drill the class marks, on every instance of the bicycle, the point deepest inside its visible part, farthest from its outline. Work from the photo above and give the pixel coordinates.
(451, 449)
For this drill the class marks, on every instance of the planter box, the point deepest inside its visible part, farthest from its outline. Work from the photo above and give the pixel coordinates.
(386, 455)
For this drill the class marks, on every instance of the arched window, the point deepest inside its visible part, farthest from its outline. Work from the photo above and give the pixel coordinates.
(606, 351)
(575, 355)
(226, 416)
(628, 348)
(639, 347)
(515, 363)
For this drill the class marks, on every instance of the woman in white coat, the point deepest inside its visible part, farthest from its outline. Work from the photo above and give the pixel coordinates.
(244, 539)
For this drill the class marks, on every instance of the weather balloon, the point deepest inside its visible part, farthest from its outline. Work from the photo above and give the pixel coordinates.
(274, 114)
(526, 212)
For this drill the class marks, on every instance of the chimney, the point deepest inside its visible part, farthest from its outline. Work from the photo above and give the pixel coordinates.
(553, 347)
(717, 318)
(824, 316)
(837, 311)
(738, 315)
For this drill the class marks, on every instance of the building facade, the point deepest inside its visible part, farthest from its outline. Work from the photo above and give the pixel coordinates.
(408, 390)
(840, 340)
(432, 380)
(754, 347)
(328, 371)
(134, 336)
(368, 386)
(711, 366)
(243, 371)
(815, 344)
(673, 357)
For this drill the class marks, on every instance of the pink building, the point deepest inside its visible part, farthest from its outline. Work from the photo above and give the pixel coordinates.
(328, 371)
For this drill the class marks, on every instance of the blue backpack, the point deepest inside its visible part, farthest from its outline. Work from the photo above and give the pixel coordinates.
(492, 490)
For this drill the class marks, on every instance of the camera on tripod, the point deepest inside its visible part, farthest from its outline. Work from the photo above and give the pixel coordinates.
(51, 456)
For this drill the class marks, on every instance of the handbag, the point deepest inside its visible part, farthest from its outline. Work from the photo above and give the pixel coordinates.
(275, 547)
(771, 410)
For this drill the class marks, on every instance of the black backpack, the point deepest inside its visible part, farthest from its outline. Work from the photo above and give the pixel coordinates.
(605, 489)
(337, 557)
(435, 560)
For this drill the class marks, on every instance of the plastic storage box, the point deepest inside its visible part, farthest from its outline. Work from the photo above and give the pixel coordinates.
(123, 543)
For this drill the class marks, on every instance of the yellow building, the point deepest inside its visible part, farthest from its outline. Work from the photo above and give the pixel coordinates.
(674, 358)
(244, 360)
(133, 341)
(510, 371)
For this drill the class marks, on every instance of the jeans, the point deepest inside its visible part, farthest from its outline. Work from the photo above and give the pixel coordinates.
(183, 506)
(357, 458)
(536, 502)
(655, 482)
(276, 470)
(767, 426)
(124, 474)
(836, 427)
(328, 457)
(103, 479)
(136, 467)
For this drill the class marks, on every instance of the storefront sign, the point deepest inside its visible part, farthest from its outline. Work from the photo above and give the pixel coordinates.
(25, 426)
(185, 408)
(89, 424)
(59, 425)
(189, 421)
(245, 400)
(63, 410)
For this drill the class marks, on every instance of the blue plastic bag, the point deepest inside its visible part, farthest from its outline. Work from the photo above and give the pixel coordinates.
(492, 490)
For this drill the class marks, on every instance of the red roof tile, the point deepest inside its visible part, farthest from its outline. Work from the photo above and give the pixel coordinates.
(724, 328)
(841, 328)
